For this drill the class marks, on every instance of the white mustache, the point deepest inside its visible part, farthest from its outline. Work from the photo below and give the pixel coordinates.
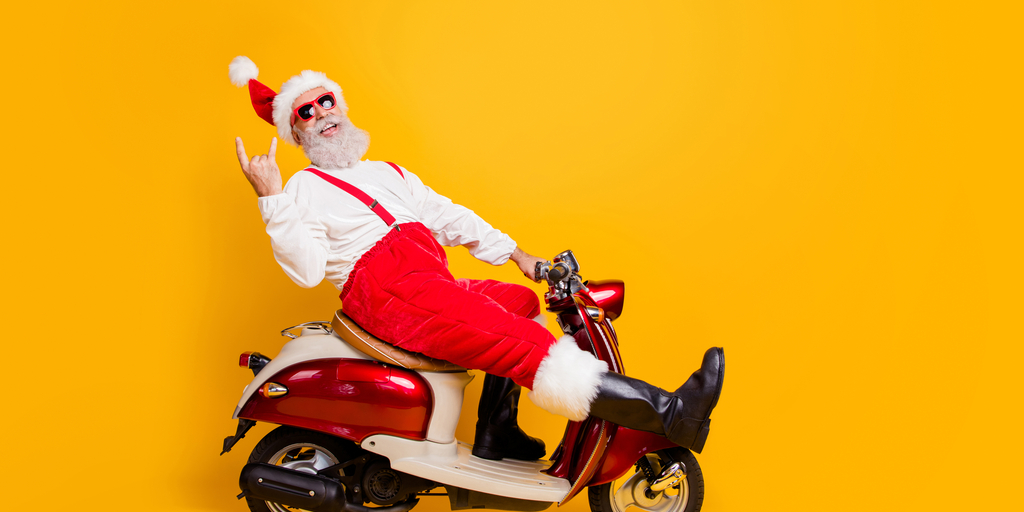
(323, 123)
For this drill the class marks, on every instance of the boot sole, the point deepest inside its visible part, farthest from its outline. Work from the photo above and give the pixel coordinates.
(721, 380)
(485, 453)
(493, 453)
(705, 426)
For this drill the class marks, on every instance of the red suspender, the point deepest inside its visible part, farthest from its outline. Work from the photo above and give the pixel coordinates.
(397, 168)
(358, 194)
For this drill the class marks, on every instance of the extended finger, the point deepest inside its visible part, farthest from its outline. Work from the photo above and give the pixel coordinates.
(243, 159)
(273, 148)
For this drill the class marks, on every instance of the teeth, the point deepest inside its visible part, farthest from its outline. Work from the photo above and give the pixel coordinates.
(328, 127)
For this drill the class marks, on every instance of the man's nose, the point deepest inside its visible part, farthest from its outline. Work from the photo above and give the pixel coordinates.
(321, 112)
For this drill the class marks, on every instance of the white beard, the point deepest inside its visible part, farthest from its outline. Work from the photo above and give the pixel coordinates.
(342, 150)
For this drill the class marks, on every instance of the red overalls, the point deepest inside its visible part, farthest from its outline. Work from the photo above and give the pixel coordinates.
(401, 291)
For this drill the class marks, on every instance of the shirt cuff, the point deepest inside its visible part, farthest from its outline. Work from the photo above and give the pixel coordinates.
(270, 204)
(504, 250)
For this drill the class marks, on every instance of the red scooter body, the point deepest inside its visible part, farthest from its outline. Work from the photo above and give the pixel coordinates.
(358, 398)
(347, 398)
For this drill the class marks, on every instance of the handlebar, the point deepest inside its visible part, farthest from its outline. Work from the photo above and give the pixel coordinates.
(558, 272)
(561, 275)
(552, 272)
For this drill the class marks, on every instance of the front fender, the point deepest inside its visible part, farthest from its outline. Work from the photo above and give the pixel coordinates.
(625, 448)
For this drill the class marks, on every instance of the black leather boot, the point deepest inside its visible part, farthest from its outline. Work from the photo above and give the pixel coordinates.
(683, 416)
(497, 432)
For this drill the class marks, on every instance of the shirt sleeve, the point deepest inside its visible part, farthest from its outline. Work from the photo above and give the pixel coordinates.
(297, 236)
(454, 224)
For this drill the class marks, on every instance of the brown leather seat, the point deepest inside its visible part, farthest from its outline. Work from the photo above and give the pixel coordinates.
(382, 351)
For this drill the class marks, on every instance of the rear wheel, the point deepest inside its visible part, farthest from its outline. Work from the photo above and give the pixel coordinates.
(301, 450)
(633, 492)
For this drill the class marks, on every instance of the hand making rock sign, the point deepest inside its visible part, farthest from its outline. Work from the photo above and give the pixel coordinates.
(261, 171)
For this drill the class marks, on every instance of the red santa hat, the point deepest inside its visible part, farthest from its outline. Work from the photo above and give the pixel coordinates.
(276, 108)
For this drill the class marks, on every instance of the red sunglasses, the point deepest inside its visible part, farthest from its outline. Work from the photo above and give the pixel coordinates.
(306, 110)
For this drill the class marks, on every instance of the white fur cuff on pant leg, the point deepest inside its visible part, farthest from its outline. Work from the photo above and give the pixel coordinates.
(567, 380)
(541, 319)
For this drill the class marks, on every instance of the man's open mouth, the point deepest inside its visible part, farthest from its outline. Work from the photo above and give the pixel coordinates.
(330, 129)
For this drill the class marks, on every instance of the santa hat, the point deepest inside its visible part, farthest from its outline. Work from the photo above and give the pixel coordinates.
(276, 108)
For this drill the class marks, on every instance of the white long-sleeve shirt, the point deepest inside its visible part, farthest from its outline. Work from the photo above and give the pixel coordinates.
(319, 231)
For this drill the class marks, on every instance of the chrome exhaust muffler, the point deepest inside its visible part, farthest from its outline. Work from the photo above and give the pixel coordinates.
(292, 488)
(303, 490)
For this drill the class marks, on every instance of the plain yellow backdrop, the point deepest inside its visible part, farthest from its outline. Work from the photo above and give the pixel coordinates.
(829, 190)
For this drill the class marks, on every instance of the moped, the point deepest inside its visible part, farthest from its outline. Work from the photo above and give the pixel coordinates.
(367, 427)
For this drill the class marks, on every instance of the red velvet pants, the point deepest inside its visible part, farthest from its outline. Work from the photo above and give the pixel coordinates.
(402, 292)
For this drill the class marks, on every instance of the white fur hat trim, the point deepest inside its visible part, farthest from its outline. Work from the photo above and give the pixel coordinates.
(567, 380)
(295, 87)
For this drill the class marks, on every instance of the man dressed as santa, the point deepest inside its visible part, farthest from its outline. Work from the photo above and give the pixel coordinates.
(375, 231)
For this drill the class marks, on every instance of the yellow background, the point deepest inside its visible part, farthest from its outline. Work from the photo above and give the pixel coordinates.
(829, 190)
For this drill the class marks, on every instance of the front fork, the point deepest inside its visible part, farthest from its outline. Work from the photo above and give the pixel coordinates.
(672, 472)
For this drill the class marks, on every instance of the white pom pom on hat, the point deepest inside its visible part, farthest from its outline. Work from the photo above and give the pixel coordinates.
(241, 70)
(276, 108)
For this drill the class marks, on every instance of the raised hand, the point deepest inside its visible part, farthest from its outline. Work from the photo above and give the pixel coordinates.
(261, 171)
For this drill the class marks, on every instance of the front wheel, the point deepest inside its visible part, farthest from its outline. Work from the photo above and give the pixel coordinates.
(632, 491)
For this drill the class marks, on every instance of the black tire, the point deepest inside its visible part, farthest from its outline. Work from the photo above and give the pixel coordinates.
(299, 449)
(688, 496)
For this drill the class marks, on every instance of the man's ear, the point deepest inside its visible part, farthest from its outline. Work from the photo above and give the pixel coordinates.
(295, 137)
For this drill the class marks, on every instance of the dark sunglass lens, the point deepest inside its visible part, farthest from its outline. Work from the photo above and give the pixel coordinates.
(306, 112)
(326, 101)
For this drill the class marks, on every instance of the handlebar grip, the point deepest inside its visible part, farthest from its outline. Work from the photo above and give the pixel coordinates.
(558, 272)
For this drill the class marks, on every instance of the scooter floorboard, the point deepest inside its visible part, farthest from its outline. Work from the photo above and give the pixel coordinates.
(454, 464)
